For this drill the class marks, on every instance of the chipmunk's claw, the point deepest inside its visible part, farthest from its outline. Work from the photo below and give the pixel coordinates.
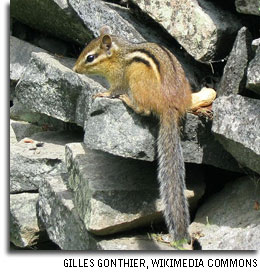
(204, 111)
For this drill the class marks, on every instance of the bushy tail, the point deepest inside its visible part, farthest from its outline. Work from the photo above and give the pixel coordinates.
(171, 176)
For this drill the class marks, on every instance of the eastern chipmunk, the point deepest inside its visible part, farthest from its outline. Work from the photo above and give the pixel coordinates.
(149, 79)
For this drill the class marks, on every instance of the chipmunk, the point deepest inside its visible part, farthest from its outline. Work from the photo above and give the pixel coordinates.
(148, 78)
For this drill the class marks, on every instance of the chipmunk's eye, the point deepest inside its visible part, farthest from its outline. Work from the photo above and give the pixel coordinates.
(90, 58)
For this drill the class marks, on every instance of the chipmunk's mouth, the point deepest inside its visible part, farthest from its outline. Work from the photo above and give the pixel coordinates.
(76, 69)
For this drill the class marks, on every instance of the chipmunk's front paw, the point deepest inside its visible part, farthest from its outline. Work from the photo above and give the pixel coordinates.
(125, 98)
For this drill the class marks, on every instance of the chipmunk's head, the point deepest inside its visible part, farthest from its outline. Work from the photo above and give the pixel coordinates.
(98, 55)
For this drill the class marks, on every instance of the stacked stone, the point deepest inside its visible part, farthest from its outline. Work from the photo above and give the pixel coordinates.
(83, 171)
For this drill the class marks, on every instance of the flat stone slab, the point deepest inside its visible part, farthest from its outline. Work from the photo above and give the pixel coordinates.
(236, 125)
(59, 216)
(114, 194)
(18, 112)
(200, 146)
(255, 44)
(229, 220)
(138, 242)
(112, 127)
(34, 158)
(20, 54)
(233, 80)
(116, 129)
(23, 129)
(50, 87)
(65, 228)
(25, 229)
(248, 6)
(61, 20)
(89, 10)
(253, 73)
(199, 26)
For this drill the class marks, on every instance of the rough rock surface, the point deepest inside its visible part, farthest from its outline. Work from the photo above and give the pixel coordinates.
(253, 73)
(199, 26)
(113, 194)
(255, 44)
(25, 229)
(20, 54)
(19, 112)
(31, 160)
(248, 6)
(229, 221)
(61, 20)
(13, 139)
(57, 212)
(115, 128)
(234, 76)
(89, 10)
(23, 129)
(49, 86)
(236, 124)
(132, 243)
(200, 146)
(118, 130)
(65, 228)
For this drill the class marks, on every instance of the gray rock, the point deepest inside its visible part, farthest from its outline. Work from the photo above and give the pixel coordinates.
(13, 139)
(61, 20)
(199, 26)
(233, 80)
(228, 220)
(30, 164)
(12, 90)
(255, 44)
(53, 45)
(248, 7)
(20, 54)
(253, 73)
(23, 129)
(139, 242)
(89, 11)
(114, 194)
(19, 112)
(65, 228)
(114, 128)
(59, 138)
(25, 229)
(236, 124)
(58, 214)
(200, 146)
(50, 87)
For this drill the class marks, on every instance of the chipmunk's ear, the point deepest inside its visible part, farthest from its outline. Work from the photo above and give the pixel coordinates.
(106, 42)
(104, 30)
(106, 39)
